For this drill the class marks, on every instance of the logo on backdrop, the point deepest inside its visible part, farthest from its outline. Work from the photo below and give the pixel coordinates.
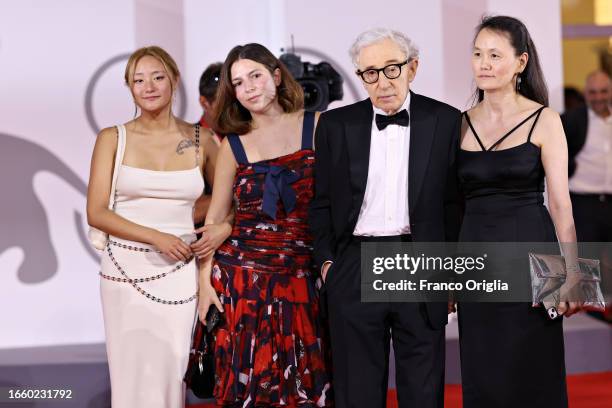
(23, 218)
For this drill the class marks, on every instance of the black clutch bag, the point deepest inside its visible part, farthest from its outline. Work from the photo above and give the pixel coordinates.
(200, 374)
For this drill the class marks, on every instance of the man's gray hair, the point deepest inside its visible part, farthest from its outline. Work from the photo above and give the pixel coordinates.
(375, 35)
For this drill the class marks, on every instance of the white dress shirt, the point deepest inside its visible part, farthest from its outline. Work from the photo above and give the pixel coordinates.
(384, 210)
(593, 173)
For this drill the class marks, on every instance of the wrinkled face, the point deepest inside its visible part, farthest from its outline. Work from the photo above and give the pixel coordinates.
(152, 85)
(387, 94)
(494, 61)
(598, 93)
(254, 85)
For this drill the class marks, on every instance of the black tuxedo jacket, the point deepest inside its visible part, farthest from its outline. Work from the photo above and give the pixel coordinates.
(575, 124)
(342, 142)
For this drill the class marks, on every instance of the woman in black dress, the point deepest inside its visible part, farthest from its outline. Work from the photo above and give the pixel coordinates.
(511, 354)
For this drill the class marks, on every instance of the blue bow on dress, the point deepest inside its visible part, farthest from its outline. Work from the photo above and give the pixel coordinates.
(277, 185)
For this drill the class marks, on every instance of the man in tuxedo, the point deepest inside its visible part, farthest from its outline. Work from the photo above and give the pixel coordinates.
(589, 140)
(384, 171)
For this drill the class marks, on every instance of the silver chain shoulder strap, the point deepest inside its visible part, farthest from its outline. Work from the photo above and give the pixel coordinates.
(134, 282)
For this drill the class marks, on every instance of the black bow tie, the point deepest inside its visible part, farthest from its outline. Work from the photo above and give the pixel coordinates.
(401, 118)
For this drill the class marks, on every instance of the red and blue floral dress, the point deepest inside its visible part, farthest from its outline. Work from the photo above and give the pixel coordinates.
(269, 351)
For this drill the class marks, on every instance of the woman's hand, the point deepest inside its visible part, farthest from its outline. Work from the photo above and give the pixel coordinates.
(172, 246)
(569, 308)
(213, 235)
(207, 296)
(570, 294)
(566, 300)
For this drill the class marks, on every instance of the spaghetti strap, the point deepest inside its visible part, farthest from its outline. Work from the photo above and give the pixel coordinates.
(467, 118)
(307, 129)
(516, 127)
(534, 122)
(237, 148)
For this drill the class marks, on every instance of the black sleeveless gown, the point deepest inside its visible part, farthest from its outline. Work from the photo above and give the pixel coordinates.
(511, 354)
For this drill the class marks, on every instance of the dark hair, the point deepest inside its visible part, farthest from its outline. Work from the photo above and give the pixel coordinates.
(230, 116)
(532, 86)
(572, 98)
(209, 81)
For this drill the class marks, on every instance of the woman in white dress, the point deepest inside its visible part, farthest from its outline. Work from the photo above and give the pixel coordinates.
(149, 275)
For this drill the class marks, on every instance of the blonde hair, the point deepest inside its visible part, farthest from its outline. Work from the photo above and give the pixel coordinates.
(158, 53)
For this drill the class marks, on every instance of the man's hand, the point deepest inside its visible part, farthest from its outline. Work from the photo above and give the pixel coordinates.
(324, 269)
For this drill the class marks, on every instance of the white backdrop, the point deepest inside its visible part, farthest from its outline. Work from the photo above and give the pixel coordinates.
(61, 78)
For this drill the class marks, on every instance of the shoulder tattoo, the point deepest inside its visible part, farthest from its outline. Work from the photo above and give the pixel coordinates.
(184, 144)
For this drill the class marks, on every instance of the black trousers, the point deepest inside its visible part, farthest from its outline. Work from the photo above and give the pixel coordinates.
(593, 217)
(360, 343)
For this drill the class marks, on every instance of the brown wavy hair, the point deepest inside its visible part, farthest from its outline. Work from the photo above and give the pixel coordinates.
(229, 115)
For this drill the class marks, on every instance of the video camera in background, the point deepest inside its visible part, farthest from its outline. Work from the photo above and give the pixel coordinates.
(321, 83)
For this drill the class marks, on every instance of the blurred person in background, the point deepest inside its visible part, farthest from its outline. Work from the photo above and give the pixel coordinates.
(589, 139)
(209, 82)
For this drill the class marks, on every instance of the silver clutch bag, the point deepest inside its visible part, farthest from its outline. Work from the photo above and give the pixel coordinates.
(548, 275)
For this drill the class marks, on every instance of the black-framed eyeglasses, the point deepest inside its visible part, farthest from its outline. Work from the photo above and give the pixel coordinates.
(391, 71)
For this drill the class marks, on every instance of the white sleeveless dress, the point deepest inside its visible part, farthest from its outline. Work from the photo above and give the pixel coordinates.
(147, 339)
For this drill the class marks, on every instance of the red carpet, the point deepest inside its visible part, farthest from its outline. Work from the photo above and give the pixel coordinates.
(585, 391)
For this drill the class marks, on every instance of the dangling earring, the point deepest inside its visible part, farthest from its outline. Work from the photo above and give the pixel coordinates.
(518, 82)
(135, 109)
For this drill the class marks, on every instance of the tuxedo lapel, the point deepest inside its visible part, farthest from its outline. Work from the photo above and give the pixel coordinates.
(422, 128)
(358, 134)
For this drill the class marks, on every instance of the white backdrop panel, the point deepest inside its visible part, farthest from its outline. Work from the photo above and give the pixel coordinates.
(52, 53)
